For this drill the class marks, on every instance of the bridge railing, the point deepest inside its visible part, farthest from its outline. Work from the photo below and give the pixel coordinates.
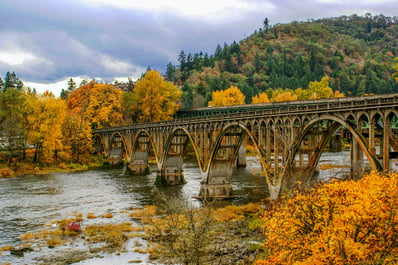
(226, 113)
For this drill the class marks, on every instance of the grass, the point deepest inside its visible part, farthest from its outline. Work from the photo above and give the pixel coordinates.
(28, 168)
(226, 228)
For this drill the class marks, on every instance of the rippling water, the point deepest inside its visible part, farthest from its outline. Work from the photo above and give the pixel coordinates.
(28, 203)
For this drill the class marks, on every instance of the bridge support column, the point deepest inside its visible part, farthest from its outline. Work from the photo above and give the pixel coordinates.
(241, 161)
(372, 149)
(139, 163)
(170, 177)
(217, 183)
(356, 160)
(171, 173)
(115, 157)
(335, 144)
(386, 146)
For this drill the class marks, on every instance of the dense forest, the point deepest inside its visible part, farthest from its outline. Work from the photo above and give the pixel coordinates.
(356, 52)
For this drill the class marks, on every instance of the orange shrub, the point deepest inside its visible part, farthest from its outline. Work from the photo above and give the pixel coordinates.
(6, 173)
(236, 213)
(343, 222)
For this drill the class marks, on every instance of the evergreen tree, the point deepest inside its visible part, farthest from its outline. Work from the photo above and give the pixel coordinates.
(188, 98)
(170, 72)
(218, 52)
(71, 85)
(181, 58)
(12, 81)
(83, 82)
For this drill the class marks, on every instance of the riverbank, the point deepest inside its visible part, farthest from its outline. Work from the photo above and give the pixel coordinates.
(28, 168)
(174, 233)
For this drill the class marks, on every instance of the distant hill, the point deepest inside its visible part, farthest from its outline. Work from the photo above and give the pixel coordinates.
(356, 52)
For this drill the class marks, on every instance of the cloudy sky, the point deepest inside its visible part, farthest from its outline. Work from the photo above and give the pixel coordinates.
(47, 41)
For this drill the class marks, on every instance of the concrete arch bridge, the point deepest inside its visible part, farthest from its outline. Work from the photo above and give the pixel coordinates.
(289, 138)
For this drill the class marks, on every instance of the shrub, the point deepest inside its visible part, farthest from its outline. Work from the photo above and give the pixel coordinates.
(343, 222)
(6, 173)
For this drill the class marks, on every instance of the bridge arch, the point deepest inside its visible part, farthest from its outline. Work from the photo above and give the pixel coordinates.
(99, 144)
(217, 179)
(142, 144)
(376, 114)
(362, 114)
(170, 167)
(152, 145)
(190, 139)
(117, 148)
(336, 123)
(390, 114)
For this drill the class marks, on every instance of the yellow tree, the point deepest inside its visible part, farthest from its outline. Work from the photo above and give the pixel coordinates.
(77, 138)
(284, 96)
(100, 104)
(396, 69)
(301, 94)
(262, 98)
(155, 99)
(321, 89)
(105, 106)
(46, 126)
(228, 97)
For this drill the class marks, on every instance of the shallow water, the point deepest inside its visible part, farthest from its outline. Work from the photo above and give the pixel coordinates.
(28, 203)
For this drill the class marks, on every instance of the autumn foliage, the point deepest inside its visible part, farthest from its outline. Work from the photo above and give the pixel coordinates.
(228, 97)
(100, 104)
(154, 98)
(338, 223)
(261, 98)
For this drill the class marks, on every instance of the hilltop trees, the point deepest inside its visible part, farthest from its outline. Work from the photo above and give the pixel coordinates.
(356, 53)
(11, 81)
(71, 87)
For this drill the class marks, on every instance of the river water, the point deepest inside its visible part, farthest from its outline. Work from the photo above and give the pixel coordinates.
(28, 203)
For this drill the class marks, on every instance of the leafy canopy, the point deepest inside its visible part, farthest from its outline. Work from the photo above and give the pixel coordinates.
(101, 104)
(342, 222)
(154, 98)
(228, 97)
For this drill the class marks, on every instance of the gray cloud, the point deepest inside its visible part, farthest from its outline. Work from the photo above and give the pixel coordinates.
(59, 39)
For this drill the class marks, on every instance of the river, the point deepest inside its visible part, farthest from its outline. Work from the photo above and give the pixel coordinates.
(28, 203)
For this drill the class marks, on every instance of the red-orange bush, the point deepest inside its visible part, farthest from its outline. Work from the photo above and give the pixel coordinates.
(343, 222)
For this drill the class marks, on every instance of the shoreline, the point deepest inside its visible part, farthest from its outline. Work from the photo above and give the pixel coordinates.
(28, 169)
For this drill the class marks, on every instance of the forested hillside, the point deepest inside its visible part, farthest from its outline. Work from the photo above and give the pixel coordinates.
(356, 53)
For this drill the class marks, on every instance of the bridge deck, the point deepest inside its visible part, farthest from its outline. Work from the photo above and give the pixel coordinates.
(231, 113)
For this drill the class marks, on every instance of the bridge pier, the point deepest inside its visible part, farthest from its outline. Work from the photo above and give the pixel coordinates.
(216, 190)
(115, 157)
(170, 177)
(217, 182)
(171, 172)
(335, 144)
(139, 163)
(356, 155)
(241, 161)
